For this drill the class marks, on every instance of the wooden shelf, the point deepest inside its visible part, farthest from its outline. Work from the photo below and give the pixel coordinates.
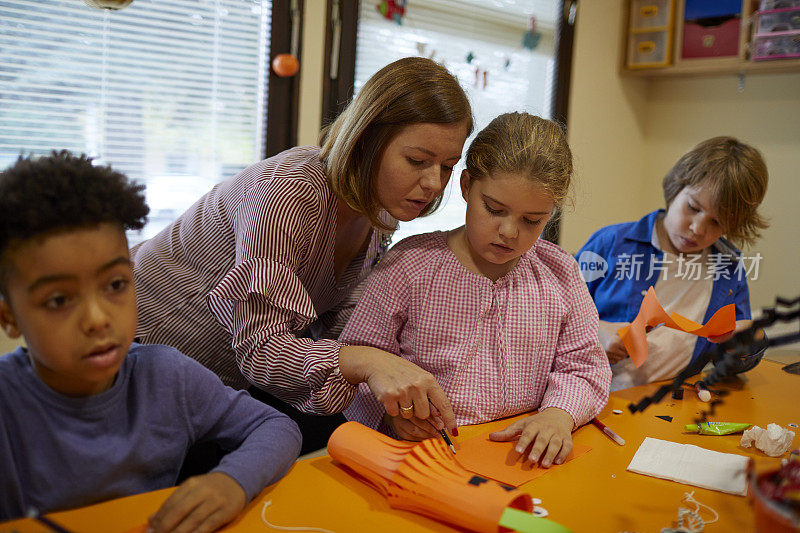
(718, 67)
(703, 67)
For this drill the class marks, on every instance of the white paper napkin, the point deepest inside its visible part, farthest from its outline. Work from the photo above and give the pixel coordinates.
(693, 465)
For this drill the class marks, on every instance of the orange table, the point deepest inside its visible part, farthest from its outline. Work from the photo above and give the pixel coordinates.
(591, 493)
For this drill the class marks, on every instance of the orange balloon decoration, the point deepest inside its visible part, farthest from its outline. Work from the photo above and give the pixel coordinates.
(423, 477)
(285, 65)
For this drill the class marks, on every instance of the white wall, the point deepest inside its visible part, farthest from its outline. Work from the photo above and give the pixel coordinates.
(606, 126)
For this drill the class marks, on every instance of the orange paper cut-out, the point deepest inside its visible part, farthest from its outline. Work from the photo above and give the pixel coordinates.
(634, 335)
(499, 460)
(423, 477)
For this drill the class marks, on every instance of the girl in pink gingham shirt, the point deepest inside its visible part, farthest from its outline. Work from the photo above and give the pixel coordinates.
(502, 319)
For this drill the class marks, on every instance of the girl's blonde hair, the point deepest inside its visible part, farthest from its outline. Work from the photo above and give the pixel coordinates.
(737, 176)
(412, 90)
(520, 143)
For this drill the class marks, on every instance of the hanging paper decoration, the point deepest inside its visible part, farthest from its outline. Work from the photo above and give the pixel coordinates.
(424, 477)
(470, 57)
(481, 77)
(392, 9)
(531, 38)
(421, 49)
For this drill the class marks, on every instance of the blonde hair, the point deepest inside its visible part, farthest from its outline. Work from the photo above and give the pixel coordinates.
(520, 143)
(737, 176)
(412, 90)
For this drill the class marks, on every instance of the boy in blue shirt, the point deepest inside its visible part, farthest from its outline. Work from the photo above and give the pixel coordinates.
(713, 190)
(86, 414)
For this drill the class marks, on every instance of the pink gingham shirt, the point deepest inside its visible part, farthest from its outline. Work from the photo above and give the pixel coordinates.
(527, 341)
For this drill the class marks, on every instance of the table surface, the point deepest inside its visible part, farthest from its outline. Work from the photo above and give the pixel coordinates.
(594, 492)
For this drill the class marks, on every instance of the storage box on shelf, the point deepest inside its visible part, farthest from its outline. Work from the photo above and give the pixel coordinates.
(711, 29)
(777, 34)
(648, 49)
(767, 5)
(702, 38)
(783, 45)
(650, 33)
(770, 21)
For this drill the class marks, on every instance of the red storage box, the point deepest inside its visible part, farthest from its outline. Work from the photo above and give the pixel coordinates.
(721, 40)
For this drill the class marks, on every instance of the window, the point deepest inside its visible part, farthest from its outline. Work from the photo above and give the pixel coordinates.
(171, 93)
(479, 42)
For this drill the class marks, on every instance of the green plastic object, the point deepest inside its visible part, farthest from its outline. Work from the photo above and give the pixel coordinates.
(528, 523)
(717, 428)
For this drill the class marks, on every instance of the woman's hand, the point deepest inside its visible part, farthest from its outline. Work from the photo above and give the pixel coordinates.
(412, 428)
(548, 433)
(404, 389)
(201, 504)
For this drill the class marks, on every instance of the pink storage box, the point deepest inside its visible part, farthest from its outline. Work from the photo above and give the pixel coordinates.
(766, 5)
(781, 20)
(711, 41)
(782, 45)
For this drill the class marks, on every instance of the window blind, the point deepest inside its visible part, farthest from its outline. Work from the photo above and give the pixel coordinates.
(171, 93)
(469, 37)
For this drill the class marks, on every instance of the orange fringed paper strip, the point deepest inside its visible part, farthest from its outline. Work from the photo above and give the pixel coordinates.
(634, 335)
(501, 462)
(423, 477)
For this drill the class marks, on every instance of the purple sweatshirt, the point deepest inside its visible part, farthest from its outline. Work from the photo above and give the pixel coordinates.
(58, 452)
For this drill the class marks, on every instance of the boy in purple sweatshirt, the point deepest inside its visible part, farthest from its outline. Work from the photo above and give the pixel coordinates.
(86, 414)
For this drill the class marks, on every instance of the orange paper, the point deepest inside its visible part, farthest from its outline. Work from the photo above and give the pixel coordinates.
(634, 335)
(140, 529)
(423, 477)
(499, 460)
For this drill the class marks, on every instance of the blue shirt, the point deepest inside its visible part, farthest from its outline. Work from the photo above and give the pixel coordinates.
(59, 452)
(618, 298)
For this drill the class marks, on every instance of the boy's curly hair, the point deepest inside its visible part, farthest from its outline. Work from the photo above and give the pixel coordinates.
(61, 192)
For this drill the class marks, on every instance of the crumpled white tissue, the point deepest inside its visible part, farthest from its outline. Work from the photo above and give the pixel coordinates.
(773, 441)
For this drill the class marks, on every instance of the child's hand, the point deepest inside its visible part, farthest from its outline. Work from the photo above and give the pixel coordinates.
(740, 325)
(203, 503)
(549, 430)
(611, 341)
(413, 428)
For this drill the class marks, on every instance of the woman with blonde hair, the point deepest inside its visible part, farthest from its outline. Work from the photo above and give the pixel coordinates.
(258, 277)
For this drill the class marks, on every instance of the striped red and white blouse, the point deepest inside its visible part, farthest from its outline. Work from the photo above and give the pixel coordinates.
(527, 341)
(244, 282)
